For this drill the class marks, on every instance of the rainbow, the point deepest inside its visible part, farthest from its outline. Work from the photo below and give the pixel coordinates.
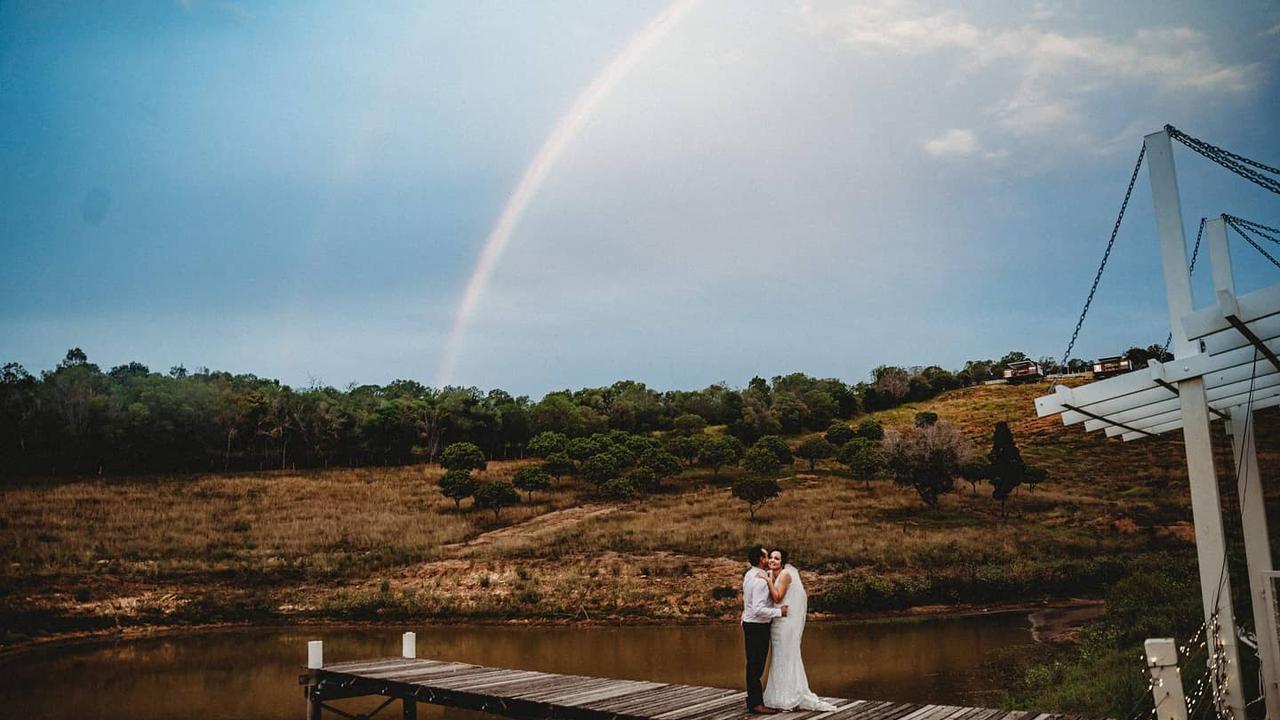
(587, 102)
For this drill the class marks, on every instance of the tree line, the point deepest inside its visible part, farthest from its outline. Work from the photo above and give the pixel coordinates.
(79, 419)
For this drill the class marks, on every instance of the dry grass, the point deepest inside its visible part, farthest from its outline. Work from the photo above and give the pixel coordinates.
(336, 522)
(384, 542)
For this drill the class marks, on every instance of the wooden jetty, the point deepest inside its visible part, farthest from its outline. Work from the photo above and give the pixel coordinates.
(530, 695)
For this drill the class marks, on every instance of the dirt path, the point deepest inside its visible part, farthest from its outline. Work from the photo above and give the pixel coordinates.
(546, 523)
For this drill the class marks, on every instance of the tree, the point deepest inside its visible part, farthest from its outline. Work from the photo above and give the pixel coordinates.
(864, 459)
(642, 479)
(687, 448)
(602, 467)
(463, 456)
(688, 424)
(457, 485)
(1007, 470)
(721, 451)
(660, 462)
(756, 491)
(974, 472)
(926, 459)
(558, 465)
(778, 447)
(547, 443)
(495, 495)
(532, 478)
(839, 433)
(761, 461)
(618, 489)
(582, 448)
(926, 418)
(871, 430)
(815, 448)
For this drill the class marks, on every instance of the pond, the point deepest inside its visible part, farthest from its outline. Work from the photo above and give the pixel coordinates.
(252, 673)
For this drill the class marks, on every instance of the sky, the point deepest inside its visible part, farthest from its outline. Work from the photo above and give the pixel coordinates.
(679, 193)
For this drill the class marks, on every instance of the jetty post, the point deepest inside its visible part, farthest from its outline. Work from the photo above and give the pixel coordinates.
(1166, 679)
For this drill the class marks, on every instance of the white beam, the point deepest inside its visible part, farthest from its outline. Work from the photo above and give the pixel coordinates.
(1253, 514)
(1256, 305)
(1215, 582)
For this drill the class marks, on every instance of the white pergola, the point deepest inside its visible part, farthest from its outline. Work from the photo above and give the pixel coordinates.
(1225, 366)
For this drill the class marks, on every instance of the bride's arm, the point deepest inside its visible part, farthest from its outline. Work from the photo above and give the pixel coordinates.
(778, 586)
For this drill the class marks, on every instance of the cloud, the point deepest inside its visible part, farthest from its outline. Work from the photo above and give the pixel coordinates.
(957, 141)
(1042, 78)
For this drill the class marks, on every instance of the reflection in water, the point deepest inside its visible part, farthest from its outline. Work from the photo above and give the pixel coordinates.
(253, 673)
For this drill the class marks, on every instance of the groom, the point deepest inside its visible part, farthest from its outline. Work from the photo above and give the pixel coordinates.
(758, 612)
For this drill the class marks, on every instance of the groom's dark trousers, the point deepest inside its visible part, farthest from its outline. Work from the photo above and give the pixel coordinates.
(757, 642)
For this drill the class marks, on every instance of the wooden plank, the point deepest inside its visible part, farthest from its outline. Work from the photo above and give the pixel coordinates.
(596, 700)
(366, 666)
(634, 698)
(554, 683)
(684, 696)
(395, 674)
(570, 692)
(704, 706)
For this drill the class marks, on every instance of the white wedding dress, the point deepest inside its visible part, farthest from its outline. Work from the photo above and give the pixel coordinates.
(788, 687)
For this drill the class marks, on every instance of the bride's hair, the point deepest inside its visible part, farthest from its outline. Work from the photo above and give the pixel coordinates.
(785, 556)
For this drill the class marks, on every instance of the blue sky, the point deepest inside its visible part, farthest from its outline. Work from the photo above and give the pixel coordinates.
(301, 190)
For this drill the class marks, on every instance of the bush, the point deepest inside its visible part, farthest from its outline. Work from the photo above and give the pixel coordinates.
(761, 461)
(601, 468)
(660, 462)
(721, 451)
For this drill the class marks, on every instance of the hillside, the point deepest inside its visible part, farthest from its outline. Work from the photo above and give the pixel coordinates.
(348, 544)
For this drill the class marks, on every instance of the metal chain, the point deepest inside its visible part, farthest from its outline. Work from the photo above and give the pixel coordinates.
(1241, 229)
(1237, 164)
(1105, 256)
(1195, 253)
(1259, 228)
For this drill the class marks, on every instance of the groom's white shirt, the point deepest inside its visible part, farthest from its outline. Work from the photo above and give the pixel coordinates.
(757, 604)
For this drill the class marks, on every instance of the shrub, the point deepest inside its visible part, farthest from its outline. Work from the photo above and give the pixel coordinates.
(600, 468)
(642, 479)
(721, 451)
(660, 462)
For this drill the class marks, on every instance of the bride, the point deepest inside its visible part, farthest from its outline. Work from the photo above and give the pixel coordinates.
(788, 686)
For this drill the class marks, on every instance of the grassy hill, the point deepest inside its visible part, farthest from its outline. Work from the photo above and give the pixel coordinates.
(87, 554)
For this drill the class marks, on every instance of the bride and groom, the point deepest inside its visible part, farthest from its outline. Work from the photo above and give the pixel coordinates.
(773, 608)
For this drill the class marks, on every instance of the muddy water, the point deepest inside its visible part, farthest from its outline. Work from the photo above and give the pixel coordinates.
(253, 673)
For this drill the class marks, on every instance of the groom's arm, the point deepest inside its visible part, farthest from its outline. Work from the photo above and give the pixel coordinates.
(760, 605)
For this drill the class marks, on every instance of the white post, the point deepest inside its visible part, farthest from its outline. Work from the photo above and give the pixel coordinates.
(1166, 680)
(1206, 507)
(409, 645)
(1253, 515)
(315, 654)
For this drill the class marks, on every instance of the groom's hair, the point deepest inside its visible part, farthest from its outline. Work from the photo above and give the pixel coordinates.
(754, 555)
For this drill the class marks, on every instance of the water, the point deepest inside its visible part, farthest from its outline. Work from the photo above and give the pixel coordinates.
(253, 673)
